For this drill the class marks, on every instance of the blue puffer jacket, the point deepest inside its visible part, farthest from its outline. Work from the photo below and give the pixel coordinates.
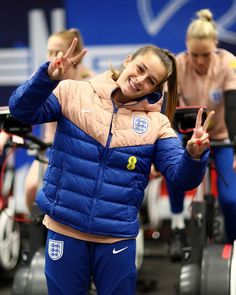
(101, 156)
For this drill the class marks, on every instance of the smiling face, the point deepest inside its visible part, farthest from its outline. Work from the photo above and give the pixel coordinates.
(140, 77)
(200, 52)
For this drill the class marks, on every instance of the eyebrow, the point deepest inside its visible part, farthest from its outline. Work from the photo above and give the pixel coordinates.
(204, 53)
(147, 69)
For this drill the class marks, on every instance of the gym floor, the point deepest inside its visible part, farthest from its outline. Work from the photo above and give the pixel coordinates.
(157, 275)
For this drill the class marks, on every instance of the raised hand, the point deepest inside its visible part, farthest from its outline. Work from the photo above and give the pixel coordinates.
(200, 138)
(62, 63)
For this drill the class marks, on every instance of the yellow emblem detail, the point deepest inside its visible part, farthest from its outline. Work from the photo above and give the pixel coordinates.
(131, 163)
(232, 64)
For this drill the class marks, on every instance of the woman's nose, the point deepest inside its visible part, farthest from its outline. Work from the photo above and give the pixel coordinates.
(140, 79)
(200, 60)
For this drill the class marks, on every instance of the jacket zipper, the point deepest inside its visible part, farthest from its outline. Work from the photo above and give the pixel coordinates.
(101, 170)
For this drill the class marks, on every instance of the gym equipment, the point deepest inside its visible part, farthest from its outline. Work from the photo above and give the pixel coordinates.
(29, 278)
(9, 238)
(10, 231)
(209, 267)
(209, 263)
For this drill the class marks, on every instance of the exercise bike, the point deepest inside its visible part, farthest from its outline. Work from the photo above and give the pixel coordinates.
(29, 274)
(10, 228)
(29, 278)
(209, 263)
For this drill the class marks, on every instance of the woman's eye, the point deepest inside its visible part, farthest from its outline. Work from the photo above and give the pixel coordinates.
(152, 82)
(140, 69)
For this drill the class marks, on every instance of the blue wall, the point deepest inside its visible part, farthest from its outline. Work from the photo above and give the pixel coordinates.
(130, 21)
(117, 23)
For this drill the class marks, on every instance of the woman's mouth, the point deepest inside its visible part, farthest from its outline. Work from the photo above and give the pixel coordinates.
(134, 85)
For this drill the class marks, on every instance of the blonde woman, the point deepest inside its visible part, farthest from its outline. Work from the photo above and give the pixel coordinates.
(207, 77)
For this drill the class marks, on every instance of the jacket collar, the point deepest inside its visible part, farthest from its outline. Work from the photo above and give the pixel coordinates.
(104, 86)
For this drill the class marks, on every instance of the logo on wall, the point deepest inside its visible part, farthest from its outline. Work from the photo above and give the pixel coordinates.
(153, 24)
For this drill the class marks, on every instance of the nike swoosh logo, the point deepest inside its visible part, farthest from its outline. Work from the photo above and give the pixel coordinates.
(86, 110)
(118, 251)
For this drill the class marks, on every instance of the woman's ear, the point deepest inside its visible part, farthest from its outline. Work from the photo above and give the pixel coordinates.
(127, 60)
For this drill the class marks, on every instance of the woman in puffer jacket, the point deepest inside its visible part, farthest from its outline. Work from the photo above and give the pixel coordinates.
(109, 132)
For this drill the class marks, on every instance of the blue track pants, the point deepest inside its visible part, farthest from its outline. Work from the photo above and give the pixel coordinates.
(72, 263)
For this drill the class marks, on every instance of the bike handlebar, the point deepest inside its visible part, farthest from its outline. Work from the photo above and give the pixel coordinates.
(222, 143)
(23, 130)
(36, 141)
(184, 123)
(29, 142)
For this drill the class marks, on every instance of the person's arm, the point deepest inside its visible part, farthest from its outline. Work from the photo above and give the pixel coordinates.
(184, 168)
(230, 112)
(33, 101)
(177, 166)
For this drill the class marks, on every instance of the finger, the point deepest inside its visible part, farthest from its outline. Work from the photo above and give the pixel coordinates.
(53, 63)
(204, 143)
(60, 54)
(198, 123)
(77, 59)
(205, 137)
(191, 142)
(71, 49)
(208, 120)
(57, 62)
(200, 141)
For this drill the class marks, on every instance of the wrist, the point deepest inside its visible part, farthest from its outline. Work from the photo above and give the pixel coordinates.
(194, 157)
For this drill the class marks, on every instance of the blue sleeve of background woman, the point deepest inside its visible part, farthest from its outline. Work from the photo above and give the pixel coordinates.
(177, 166)
(33, 101)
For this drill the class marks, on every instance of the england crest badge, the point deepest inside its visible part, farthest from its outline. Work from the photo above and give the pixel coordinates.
(140, 125)
(216, 95)
(55, 249)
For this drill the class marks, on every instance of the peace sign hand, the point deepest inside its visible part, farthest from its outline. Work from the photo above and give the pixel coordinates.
(62, 63)
(200, 138)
